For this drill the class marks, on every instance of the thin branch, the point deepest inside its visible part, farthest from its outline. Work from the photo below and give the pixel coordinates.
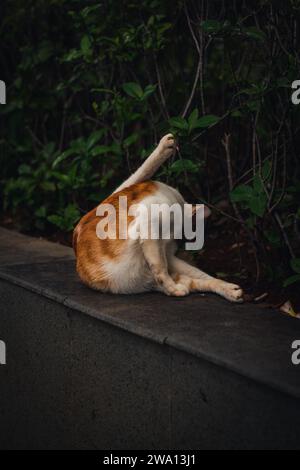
(160, 88)
(199, 70)
(184, 112)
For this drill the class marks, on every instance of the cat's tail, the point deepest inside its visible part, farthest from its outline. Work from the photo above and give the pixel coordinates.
(164, 150)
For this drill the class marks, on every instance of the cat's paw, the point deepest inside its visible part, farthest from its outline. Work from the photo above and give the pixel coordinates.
(167, 145)
(178, 290)
(232, 292)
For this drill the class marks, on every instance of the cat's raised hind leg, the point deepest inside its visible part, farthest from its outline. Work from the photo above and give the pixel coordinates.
(164, 150)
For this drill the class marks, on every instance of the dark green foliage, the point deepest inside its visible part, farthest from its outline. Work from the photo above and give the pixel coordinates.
(92, 86)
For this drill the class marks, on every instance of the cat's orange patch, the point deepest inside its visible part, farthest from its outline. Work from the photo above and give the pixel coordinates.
(90, 250)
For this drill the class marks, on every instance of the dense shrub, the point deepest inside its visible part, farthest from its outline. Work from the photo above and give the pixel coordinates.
(92, 85)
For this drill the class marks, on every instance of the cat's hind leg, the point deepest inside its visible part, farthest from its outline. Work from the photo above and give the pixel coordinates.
(198, 281)
(155, 255)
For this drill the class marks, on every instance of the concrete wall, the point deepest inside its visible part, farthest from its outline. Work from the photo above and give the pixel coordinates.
(74, 382)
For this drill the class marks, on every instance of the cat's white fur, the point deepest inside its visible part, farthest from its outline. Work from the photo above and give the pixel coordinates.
(152, 264)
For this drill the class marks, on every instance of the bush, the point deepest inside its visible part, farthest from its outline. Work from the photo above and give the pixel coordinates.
(93, 85)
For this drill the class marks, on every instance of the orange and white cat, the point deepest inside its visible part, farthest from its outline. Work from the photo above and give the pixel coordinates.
(129, 266)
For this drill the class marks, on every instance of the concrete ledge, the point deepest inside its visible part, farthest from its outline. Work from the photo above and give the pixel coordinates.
(87, 370)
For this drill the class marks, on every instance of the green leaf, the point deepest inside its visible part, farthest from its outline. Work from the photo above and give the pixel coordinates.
(100, 150)
(258, 204)
(193, 118)
(71, 213)
(94, 138)
(211, 26)
(295, 265)
(257, 184)
(85, 45)
(266, 170)
(291, 280)
(179, 123)
(149, 90)
(206, 121)
(87, 10)
(61, 176)
(62, 157)
(41, 212)
(131, 139)
(44, 52)
(66, 218)
(55, 220)
(283, 82)
(236, 113)
(250, 221)
(184, 165)
(241, 193)
(253, 90)
(253, 105)
(49, 148)
(116, 148)
(272, 237)
(133, 89)
(48, 186)
(255, 33)
(24, 169)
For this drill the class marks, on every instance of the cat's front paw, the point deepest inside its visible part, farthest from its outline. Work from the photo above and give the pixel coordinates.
(167, 145)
